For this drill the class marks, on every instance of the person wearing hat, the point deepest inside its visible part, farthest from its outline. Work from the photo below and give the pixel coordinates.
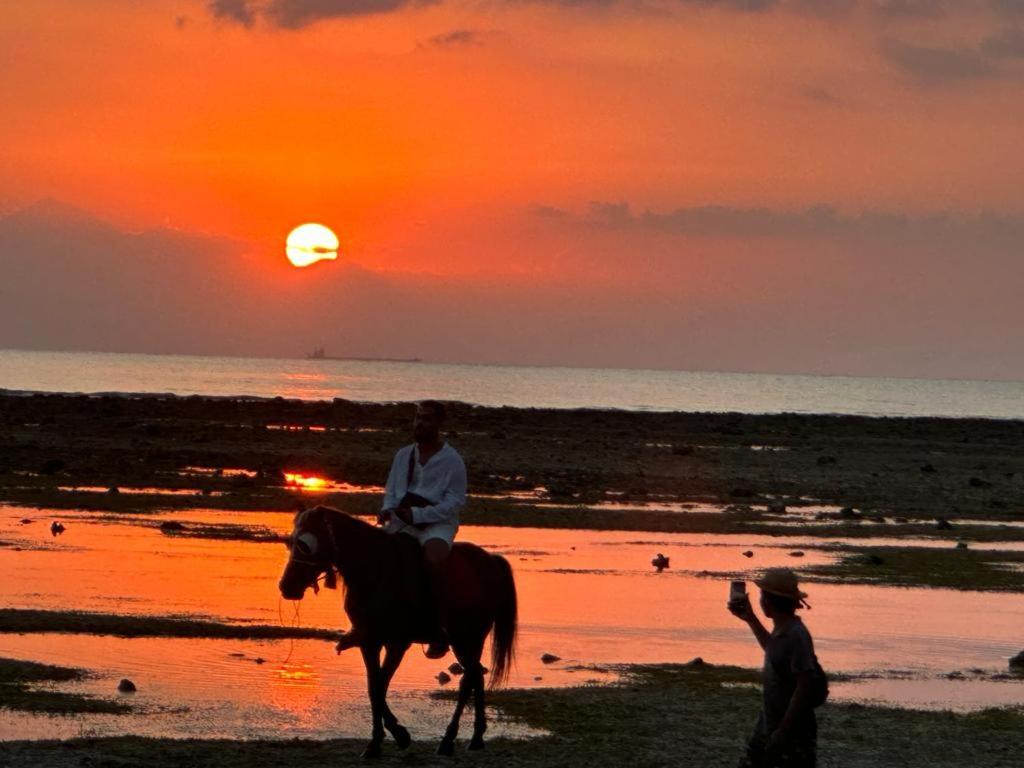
(786, 733)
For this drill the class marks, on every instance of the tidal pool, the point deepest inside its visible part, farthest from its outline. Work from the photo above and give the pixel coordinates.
(589, 597)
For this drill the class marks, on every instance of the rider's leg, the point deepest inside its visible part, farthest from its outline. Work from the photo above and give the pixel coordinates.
(435, 557)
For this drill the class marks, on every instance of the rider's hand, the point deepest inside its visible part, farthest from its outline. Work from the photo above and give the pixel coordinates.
(404, 514)
(741, 609)
(384, 516)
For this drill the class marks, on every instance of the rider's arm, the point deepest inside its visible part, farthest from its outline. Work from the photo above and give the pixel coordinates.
(452, 500)
(391, 496)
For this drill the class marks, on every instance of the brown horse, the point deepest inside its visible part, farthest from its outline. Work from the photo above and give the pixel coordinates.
(386, 599)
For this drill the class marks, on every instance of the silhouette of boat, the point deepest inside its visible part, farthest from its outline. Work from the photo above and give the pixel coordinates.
(319, 354)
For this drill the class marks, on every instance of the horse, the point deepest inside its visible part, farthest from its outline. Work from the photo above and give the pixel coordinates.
(387, 601)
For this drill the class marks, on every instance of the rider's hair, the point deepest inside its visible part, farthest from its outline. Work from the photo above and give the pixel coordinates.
(437, 407)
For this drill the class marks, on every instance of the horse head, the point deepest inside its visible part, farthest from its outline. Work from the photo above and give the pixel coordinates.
(313, 553)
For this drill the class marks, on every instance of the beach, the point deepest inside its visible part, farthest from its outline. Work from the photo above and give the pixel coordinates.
(879, 515)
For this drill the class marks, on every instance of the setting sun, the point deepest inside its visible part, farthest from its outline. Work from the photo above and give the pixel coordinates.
(310, 243)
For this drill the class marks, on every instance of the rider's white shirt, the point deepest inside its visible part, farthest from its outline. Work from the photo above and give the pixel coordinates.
(442, 481)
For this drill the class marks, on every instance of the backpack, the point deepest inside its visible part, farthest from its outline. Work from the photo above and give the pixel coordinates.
(819, 686)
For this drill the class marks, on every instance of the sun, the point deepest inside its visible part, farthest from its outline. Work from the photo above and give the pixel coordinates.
(310, 243)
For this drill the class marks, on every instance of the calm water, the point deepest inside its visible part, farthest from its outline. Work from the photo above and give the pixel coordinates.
(591, 597)
(506, 385)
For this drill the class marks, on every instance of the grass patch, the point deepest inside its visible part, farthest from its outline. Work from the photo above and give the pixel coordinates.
(951, 568)
(75, 622)
(668, 715)
(18, 692)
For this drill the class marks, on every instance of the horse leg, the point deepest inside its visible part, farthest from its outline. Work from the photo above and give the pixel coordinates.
(447, 745)
(480, 713)
(392, 658)
(374, 680)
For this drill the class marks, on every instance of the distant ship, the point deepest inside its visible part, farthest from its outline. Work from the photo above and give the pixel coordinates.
(319, 354)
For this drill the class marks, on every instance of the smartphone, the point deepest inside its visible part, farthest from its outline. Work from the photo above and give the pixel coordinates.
(737, 591)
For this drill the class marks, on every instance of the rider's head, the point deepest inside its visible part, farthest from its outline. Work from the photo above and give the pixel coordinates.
(430, 415)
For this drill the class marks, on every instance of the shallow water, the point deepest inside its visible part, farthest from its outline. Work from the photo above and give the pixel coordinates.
(590, 597)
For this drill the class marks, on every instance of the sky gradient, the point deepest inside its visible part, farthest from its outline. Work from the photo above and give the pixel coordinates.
(792, 186)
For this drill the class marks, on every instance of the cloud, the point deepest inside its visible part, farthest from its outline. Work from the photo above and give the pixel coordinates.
(238, 11)
(938, 66)
(456, 38)
(817, 221)
(1007, 44)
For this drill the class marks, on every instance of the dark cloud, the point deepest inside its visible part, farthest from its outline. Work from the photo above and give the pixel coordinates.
(818, 221)
(238, 11)
(294, 14)
(820, 95)
(1008, 44)
(937, 66)
(456, 38)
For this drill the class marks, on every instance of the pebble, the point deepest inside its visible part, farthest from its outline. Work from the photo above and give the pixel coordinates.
(550, 658)
(455, 668)
(444, 678)
(797, 553)
(748, 553)
(126, 686)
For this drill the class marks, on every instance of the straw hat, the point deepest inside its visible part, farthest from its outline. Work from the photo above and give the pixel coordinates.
(782, 582)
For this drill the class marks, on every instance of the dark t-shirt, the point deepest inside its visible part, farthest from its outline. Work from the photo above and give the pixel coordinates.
(788, 652)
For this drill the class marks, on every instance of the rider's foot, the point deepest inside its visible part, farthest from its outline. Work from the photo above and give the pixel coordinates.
(348, 640)
(438, 648)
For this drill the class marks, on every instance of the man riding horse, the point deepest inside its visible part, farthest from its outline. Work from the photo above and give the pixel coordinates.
(407, 581)
(425, 490)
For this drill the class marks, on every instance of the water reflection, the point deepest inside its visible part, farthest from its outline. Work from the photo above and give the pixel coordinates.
(620, 610)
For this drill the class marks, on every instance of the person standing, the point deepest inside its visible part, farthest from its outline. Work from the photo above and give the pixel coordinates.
(786, 732)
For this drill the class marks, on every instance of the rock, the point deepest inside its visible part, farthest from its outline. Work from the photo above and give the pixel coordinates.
(696, 661)
(171, 525)
(777, 507)
(126, 686)
(444, 678)
(660, 562)
(825, 460)
(955, 676)
(537, 678)
(977, 482)
(113, 490)
(682, 450)
(25, 521)
(748, 553)
(1017, 662)
(550, 658)
(51, 466)
(849, 513)
(961, 545)
(260, 660)
(942, 524)
(56, 528)
(455, 668)
(797, 553)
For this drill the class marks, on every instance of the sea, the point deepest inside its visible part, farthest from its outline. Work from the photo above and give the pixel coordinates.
(500, 385)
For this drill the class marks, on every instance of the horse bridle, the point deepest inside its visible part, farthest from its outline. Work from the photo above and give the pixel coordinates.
(324, 568)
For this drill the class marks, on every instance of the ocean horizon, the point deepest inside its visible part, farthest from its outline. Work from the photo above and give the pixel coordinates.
(506, 385)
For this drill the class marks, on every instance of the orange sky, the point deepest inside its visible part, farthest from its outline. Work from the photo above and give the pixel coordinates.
(429, 134)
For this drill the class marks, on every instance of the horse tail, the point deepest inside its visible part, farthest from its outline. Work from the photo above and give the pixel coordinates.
(505, 622)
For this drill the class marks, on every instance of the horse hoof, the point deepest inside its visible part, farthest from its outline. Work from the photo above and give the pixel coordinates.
(401, 736)
(372, 751)
(446, 748)
(476, 743)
